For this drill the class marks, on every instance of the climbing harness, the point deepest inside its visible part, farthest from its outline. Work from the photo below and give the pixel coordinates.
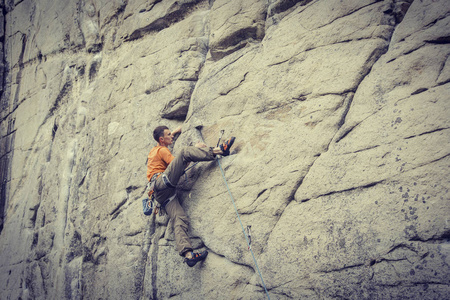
(151, 186)
(167, 181)
(150, 205)
(246, 235)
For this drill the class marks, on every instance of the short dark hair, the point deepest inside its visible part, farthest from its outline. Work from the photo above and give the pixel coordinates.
(159, 132)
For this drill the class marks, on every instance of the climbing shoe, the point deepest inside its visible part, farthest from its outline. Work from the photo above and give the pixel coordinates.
(196, 257)
(225, 147)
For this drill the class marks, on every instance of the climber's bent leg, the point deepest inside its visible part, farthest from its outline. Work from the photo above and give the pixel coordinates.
(180, 226)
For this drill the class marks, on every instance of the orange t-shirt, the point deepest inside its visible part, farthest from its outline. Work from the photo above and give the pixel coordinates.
(158, 160)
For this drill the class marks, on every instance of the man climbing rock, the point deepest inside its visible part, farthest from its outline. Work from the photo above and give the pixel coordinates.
(166, 170)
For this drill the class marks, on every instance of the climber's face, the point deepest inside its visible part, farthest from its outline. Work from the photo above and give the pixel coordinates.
(167, 139)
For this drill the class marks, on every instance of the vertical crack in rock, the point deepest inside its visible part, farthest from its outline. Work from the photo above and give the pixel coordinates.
(154, 262)
(94, 68)
(178, 107)
(66, 186)
(149, 251)
(6, 118)
(399, 10)
(347, 103)
(18, 79)
(366, 68)
(146, 244)
(66, 89)
(290, 198)
(3, 67)
(6, 154)
(373, 58)
(78, 22)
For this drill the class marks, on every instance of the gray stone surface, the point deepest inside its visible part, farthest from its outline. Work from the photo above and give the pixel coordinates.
(341, 163)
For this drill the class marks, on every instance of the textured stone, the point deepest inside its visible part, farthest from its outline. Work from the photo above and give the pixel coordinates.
(340, 166)
(235, 24)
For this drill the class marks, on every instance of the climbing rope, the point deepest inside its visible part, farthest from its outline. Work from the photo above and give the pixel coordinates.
(243, 230)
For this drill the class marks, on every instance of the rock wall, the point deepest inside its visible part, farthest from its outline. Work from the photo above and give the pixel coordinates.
(340, 109)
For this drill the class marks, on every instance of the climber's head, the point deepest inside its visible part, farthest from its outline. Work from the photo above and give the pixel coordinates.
(163, 136)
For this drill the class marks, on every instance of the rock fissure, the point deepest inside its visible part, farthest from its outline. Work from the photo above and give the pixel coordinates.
(119, 12)
(115, 211)
(440, 40)
(300, 181)
(444, 62)
(278, 7)
(427, 132)
(373, 58)
(18, 78)
(240, 264)
(280, 285)
(361, 150)
(174, 16)
(402, 246)
(419, 91)
(389, 260)
(365, 186)
(280, 62)
(440, 239)
(344, 268)
(429, 162)
(375, 2)
(434, 22)
(235, 87)
(444, 82)
(346, 103)
(427, 284)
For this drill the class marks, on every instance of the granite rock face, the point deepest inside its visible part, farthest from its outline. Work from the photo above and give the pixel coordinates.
(341, 112)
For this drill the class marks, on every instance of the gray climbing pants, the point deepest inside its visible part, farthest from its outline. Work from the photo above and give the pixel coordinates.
(175, 211)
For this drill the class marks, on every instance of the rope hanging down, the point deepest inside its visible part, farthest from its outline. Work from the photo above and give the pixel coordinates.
(243, 230)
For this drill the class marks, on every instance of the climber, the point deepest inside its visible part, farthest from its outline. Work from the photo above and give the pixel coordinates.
(166, 170)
